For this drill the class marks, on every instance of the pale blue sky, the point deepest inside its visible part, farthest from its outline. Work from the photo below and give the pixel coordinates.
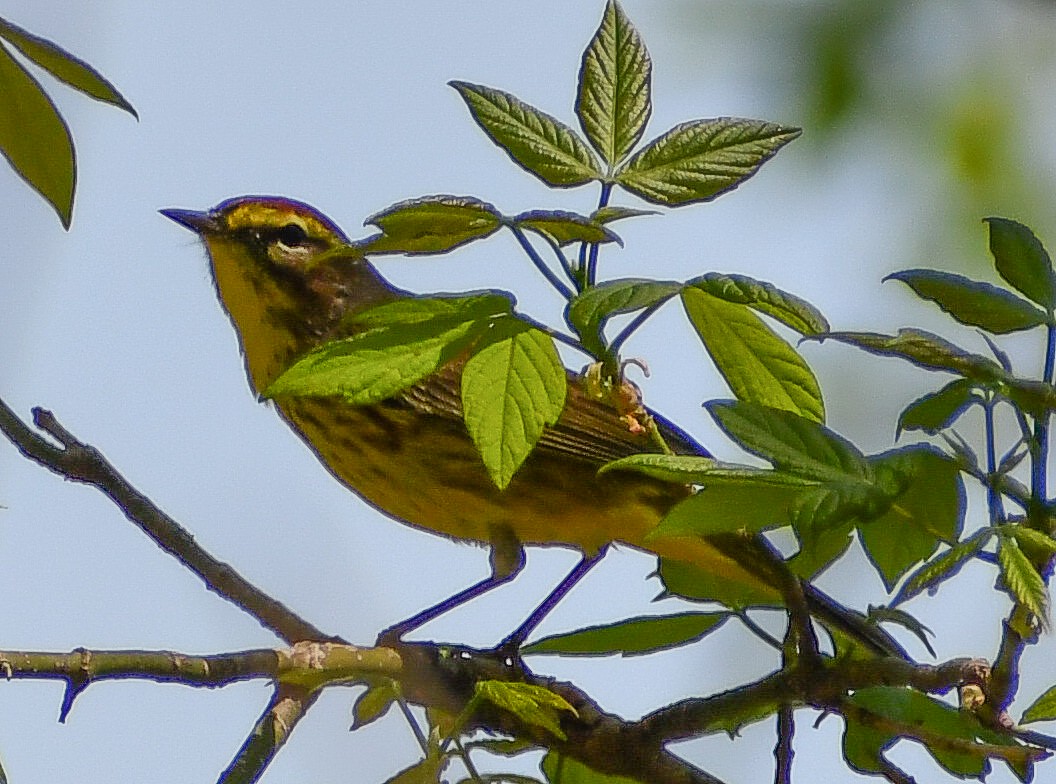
(115, 327)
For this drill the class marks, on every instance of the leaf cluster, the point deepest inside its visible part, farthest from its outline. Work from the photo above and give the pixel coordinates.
(905, 506)
(33, 136)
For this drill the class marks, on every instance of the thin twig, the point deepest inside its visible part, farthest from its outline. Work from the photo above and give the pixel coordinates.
(541, 265)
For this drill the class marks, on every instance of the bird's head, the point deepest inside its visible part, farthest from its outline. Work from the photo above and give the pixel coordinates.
(285, 274)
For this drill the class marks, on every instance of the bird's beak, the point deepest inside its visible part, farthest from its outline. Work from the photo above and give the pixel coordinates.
(196, 221)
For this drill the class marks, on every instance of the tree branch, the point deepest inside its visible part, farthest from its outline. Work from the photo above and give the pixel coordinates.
(287, 707)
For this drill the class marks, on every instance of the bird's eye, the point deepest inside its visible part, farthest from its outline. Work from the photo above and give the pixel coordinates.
(291, 235)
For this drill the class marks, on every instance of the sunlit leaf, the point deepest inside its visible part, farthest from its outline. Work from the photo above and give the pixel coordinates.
(971, 302)
(532, 704)
(787, 308)
(564, 227)
(588, 311)
(702, 159)
(431, 224)
(942, 567)
(416, 310)
(927, 510)
(759, 366)
(1042, 709)
(613, 102)
(407, 340)
(1022, 579)
(1030, 540)
(535, 141)
(512, 388)
(681, 469)
(1022, 261)
(791, 442)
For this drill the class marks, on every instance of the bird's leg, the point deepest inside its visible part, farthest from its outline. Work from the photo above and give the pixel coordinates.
(513, 642)
(507, 560)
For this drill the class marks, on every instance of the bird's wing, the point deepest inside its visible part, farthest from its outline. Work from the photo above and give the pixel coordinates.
(588, 428)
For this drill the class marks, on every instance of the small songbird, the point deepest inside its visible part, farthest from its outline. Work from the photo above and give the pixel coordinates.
(288, 278)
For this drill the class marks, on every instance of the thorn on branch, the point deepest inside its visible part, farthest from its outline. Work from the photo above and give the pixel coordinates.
(76, 682)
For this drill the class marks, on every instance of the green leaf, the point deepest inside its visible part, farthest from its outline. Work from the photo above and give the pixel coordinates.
(588, 312)
(937, 410)
(531, 704)
(408, 340)
(728, 588)
(374, 703)
(702, 159)
(536, 142)
(925, 350)
(564, 227)
(1030, 540)
(971, 302)
(34, 137)
(1034, 397)
(745, 499)
(561, 769)
(613, 102)
(834, 502)
(819, 548)
(610, 213)
(904, 502)
(927, 509)
(789, 309)
(1022, 261)
(757, 364)
(425, 771)
(431, 224)
(64, 66)
(1022, 579)
(792, 443)
(417, 310)
(512, 388)
(864, 746)
(680, 469)
(632, 637)
(942, 567)
(376, 365)
(1042, 709)
(878, 716)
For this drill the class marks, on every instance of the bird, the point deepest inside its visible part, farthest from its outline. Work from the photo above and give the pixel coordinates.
(288, 278)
